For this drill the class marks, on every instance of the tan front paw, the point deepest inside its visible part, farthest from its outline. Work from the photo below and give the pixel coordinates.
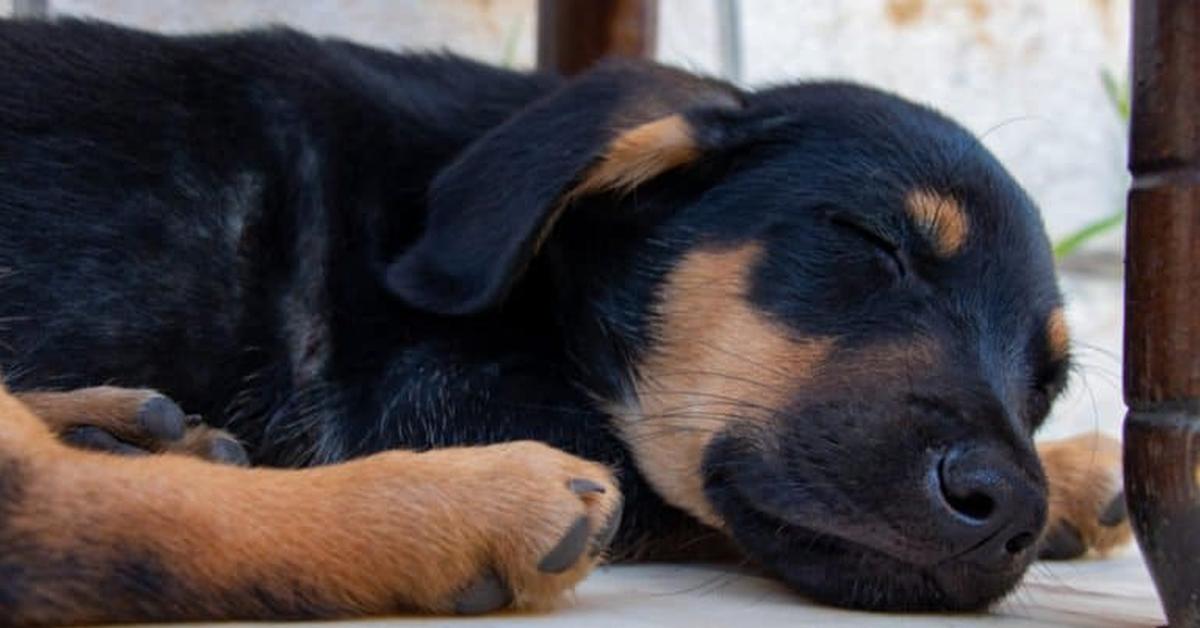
(131, 421)
(529, 521)
(1087, 503)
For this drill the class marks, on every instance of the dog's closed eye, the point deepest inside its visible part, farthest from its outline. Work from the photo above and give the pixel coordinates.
(886, 250)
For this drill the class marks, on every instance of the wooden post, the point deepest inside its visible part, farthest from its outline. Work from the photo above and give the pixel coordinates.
(574, 34)
(1162, 303)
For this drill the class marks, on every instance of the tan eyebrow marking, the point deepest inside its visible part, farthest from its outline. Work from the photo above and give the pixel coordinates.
(941, 218)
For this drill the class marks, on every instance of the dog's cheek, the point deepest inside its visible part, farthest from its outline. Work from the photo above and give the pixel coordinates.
(717, 364)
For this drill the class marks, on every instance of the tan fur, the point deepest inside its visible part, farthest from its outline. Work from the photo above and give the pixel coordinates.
(107, 407)
(1058, 334)
(717, 360)
(392, 532)
(941, 218)
(1084, 473)
(640, 154)
(198, 441)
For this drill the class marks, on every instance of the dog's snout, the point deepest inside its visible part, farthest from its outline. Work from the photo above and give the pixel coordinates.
(990, 509)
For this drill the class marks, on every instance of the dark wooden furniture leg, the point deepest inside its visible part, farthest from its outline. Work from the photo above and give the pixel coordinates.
(1162, 306)
(574, 34)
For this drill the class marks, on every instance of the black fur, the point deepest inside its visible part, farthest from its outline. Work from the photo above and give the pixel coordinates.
(330, 250)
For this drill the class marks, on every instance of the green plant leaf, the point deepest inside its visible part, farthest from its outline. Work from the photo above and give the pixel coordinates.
(1118, 92)
(1073, 241)
(1118, 96)
(512, 39)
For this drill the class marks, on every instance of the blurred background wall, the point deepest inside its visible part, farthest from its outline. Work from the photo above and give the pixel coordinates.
(1026, 75)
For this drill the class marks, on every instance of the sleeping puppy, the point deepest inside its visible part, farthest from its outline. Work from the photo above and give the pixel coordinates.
(814, 326)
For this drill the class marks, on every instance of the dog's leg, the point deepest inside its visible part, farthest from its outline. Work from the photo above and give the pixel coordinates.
(1087, 505)
(130, 421)
(88, 537)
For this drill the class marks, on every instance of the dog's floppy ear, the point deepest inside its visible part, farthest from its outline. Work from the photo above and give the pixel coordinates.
(489, 211)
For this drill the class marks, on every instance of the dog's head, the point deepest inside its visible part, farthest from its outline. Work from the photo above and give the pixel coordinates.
(825, 319)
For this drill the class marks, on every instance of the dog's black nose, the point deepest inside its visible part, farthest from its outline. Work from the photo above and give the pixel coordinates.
(993, 511)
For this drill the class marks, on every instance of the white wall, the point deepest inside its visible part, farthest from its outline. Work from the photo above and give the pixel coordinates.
(479, 28)
(1023, 73)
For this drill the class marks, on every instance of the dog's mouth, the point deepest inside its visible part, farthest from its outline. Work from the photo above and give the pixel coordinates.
(838, 569)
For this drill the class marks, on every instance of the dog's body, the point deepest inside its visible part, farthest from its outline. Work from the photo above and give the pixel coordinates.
(332, 251)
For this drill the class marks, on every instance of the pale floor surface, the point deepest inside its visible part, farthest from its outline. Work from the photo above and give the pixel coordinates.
(1109, 593)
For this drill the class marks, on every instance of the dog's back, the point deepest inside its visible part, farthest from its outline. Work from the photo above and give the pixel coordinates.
(184, 196)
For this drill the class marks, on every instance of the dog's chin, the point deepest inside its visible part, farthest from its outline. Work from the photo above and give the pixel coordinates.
(843, 572)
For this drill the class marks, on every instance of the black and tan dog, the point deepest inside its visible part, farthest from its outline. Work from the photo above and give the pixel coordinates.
(814, 325)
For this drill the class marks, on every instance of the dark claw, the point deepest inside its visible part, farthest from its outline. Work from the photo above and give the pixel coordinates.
(162, 419)
(583, 486)
(568, 550)
(487, 594)
(193, 420)
(1062, 542)
(96, 439)
(608, 532)
(228, 451)
(1115, 513)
